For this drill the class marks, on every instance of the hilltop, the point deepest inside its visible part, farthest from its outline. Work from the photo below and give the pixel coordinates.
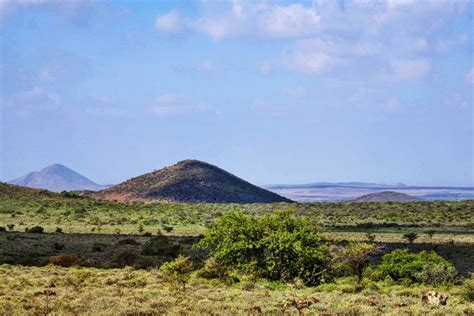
(191, 181)
(387, 196)
(57, 178)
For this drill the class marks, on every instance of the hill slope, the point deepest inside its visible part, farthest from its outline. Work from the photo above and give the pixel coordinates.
(387, 196)
(57, 178)
(191, 181)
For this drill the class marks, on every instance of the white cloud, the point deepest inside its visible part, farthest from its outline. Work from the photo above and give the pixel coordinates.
(169, 23)
(409, 68)
(248, 19)
(170, 104)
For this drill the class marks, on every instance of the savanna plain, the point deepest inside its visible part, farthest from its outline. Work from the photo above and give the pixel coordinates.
(71, 254)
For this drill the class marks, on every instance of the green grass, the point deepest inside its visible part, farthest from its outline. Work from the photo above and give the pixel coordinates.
(27, 207)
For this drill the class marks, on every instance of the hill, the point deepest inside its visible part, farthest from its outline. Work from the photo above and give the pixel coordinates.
(191, 181)
(387, 196)
(57, 178)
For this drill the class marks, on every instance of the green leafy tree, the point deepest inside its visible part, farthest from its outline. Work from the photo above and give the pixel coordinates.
(278, 247)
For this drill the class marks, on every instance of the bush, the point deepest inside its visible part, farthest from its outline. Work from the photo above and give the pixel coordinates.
(2, 229)
(277, 247)
(467, 291)
(59, 230)
(35, 230)
(213, 269)
(437, 274)
(402, 264)
(177, 272)
(64, 260)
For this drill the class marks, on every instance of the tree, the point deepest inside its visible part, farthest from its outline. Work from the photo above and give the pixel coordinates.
(356, 255)
(430, 233)
(410, 237)
(280, 246)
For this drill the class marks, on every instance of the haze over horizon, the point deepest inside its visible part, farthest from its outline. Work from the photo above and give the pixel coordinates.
(330, 91)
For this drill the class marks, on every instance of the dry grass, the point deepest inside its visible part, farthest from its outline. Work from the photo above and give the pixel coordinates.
(54, 290)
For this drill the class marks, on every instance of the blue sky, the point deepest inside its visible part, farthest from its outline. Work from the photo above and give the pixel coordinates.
(273, 91)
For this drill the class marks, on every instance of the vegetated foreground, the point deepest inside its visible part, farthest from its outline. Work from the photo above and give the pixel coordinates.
(55, 290)
(285, 257)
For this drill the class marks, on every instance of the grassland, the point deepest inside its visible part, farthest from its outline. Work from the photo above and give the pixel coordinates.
(118, 272)
(54, 290)
(24, 208)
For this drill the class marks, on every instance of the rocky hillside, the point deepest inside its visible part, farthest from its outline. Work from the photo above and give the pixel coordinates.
(387, 196)
(57, 178)
(191, 181)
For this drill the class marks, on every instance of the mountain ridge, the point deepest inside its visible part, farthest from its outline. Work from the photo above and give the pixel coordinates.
(191, 181)
(57, 178)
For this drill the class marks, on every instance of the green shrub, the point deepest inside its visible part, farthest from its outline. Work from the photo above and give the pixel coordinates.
(467, 290)
(213, 269)
(177, 272)
(402, 264)
(277, 247)
(436, 274)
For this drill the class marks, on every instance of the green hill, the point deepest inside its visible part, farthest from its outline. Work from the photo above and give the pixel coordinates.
(191, 181)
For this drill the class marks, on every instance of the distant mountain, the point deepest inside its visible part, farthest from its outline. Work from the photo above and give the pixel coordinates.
(191, 181)
(387, 196)
(57, 178)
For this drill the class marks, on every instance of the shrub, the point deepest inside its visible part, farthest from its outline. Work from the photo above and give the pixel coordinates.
(59, 230)
(436, 274)
(177, 272)
(213, 269)
(10, 227)
(35, 230)
(64, 260)
(277, 247)
(402, 264)
(467, 290)
(2, 229)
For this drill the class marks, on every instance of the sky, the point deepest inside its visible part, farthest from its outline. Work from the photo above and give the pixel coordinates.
(272, 91)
